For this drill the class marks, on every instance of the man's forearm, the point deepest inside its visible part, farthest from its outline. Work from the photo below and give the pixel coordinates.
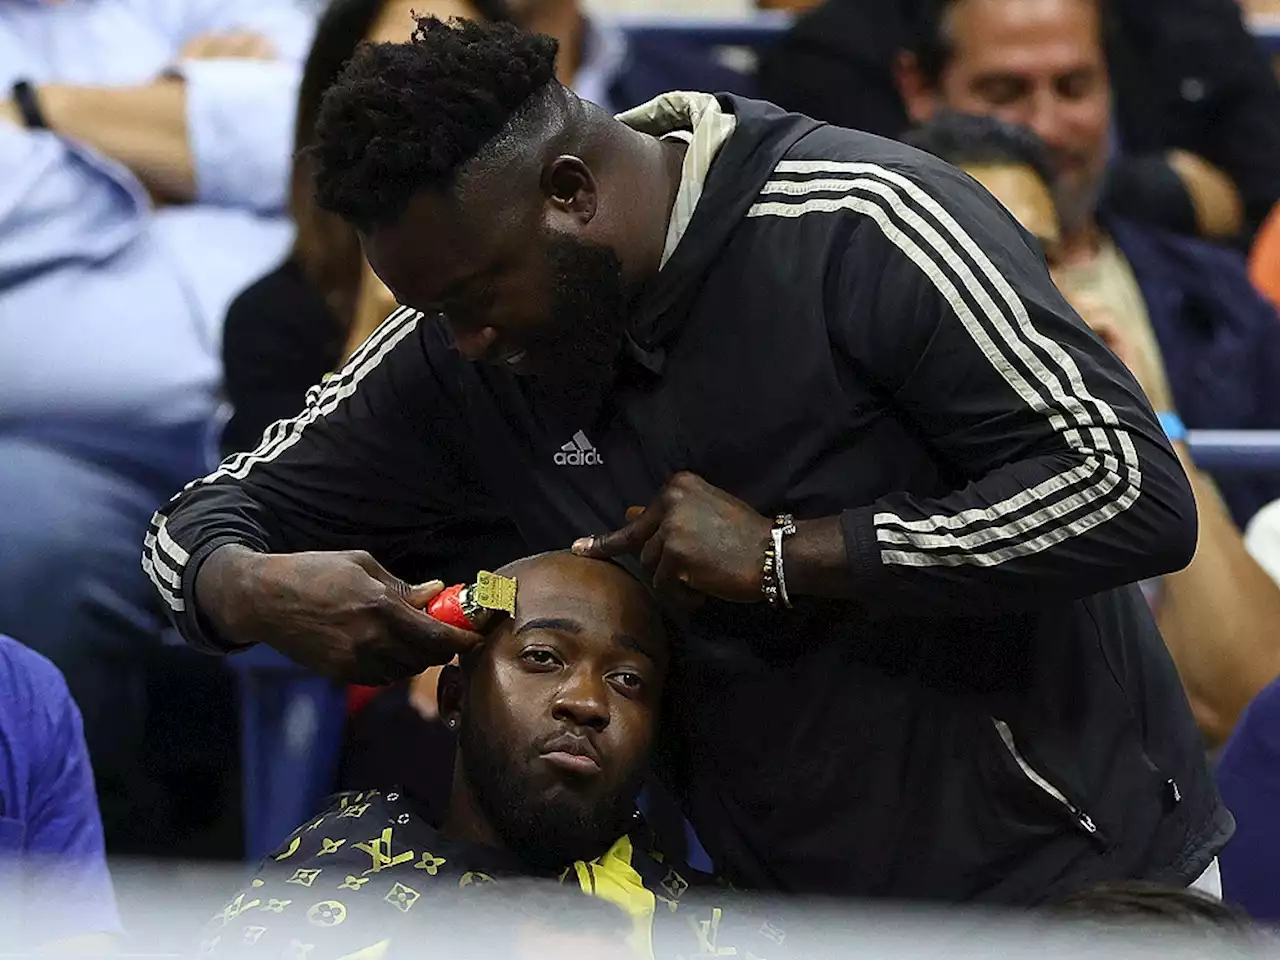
(143, 128)
(220, 585)
(1219, 618)
(816, 562)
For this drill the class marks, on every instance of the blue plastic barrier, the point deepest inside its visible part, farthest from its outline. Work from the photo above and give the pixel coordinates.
(291, 724)
(1267, 30)
(1235, 451)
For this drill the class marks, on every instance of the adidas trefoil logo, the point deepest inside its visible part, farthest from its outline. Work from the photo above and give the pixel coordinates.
(579, 452)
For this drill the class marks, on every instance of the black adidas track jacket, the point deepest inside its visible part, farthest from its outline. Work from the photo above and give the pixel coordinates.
(847, 327)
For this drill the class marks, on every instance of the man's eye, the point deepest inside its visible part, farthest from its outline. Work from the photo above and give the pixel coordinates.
(628, 679)
(541, 658)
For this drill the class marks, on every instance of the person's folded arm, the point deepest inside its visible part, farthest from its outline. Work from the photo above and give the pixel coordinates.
(286, 25)
(60, 203)
(1070, 486)
(218, 129)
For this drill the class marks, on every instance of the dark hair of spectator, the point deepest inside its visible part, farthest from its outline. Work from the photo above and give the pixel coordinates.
(327, 249)
(1138, 902)
(965, 140)
(930, 40)
(407, 117)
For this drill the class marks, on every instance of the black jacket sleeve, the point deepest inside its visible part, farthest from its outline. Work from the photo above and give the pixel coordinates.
(1070, 485)
(374, 462)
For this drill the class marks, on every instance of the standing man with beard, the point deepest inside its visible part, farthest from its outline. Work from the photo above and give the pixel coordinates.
(747, 316)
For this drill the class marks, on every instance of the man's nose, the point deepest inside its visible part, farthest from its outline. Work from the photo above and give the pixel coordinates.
(475, 343)
(583, 700)
(1045, 119)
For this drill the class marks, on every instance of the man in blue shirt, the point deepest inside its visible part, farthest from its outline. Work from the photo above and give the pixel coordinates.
(54, 883)
(144, 156)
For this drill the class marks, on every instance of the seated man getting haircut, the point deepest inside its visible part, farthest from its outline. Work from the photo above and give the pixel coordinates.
(555, 714)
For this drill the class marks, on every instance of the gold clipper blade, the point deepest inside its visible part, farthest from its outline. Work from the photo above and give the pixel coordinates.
(495, 592)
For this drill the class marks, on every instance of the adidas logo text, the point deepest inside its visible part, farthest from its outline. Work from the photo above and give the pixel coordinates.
(579, 452)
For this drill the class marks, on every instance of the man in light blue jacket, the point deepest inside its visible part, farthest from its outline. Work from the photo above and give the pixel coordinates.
(144, 157)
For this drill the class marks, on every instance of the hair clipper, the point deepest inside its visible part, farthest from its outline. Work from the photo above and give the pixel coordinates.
(473, 606)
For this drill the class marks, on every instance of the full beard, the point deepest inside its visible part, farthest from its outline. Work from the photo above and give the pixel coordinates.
(589, 306)
(546, 833)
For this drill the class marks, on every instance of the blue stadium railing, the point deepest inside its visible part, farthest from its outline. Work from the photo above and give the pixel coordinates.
(292, 721)
(759, 30)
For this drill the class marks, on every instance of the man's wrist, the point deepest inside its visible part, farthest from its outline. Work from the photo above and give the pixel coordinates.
(817, 563)
(221, 584)
(27, 101)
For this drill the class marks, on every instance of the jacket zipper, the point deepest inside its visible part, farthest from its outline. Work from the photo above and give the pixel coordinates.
(1081, 819)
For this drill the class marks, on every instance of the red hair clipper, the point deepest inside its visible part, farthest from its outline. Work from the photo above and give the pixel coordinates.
(472, 606)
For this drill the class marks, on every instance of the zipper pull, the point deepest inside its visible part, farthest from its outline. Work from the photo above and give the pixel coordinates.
(1085, 821)
(1175, 793)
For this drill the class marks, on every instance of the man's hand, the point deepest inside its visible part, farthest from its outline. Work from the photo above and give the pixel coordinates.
(339, 614)
(229, 46)
(693, 536)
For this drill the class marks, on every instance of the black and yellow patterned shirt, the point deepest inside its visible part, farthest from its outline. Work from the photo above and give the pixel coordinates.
(367, 871)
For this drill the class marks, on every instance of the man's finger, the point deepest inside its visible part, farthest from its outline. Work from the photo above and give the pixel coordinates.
(423, 593)
(670, 581)
(419, 631)
(628, 539)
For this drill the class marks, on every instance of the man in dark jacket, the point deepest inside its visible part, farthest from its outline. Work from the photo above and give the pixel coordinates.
(1197, 105)
(1188, 306)
(933, 682)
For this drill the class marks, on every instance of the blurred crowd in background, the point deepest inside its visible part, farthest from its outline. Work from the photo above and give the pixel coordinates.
(169, 289)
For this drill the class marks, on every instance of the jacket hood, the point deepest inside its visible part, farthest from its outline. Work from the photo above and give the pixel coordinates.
(762, 136)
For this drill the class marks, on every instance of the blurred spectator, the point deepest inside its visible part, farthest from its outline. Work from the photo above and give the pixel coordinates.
(1264, 259)
(1211, 343)
(1156, 909)
(142, 154)
(836, 64)
(1197, 108)
(602, 64)
(1249, 769)
(1249, 777)
(1263, 539)
(54, 884)
(1219, 615)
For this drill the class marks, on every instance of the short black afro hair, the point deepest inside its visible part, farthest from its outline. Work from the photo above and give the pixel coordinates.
(405, 117)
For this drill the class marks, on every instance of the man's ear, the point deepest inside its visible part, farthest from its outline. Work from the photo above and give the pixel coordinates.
(570, 188)
(450, 695)
(917, 93)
